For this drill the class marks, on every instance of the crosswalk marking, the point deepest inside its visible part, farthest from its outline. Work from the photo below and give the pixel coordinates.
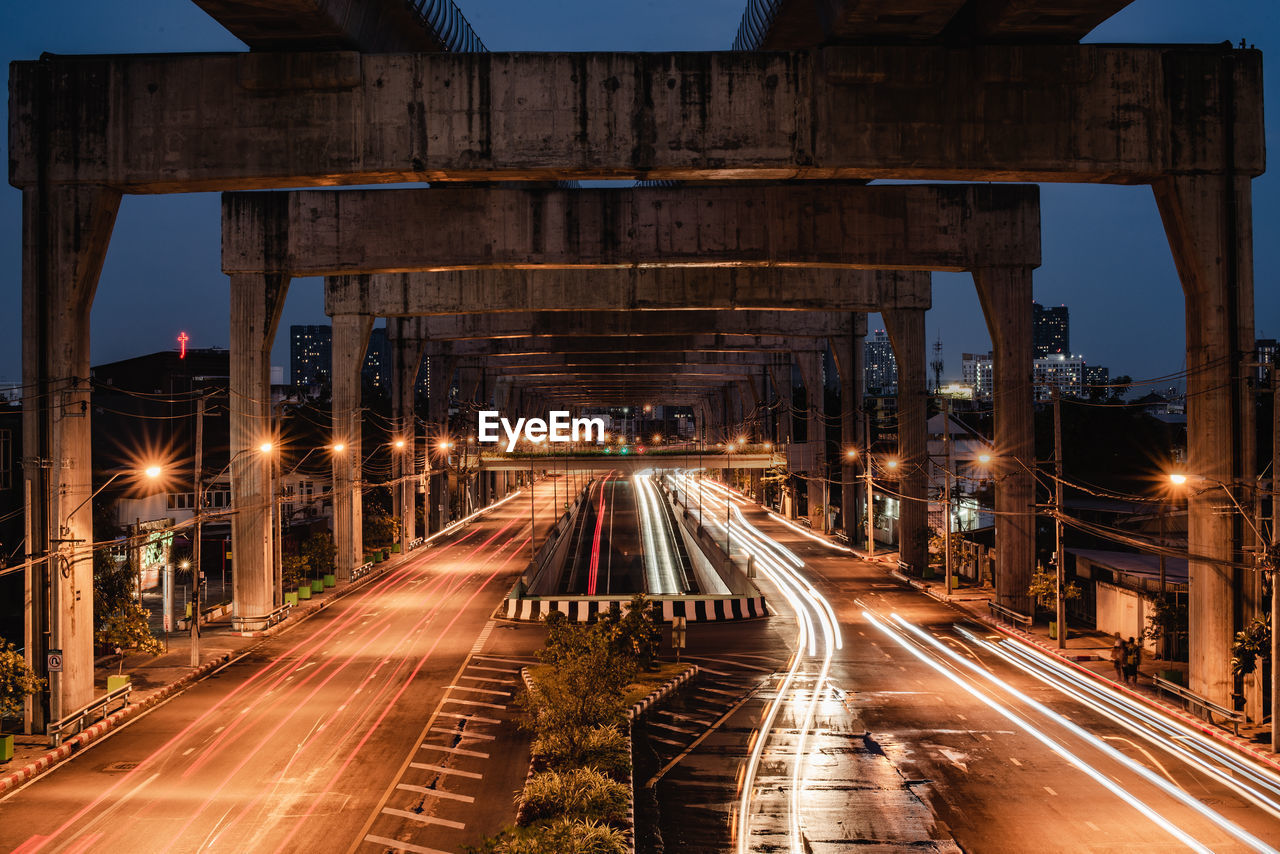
(495, 679)
(491, 669)
(503, 660)
(425, 819)
(458, 750)
(473, 703)
(478, 690)
(463, 733)
(402, 846)
(438, 793)
(475, 718)
(484, 636)
(440, 769)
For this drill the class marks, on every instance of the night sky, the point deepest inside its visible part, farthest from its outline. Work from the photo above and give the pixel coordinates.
(1105, 253)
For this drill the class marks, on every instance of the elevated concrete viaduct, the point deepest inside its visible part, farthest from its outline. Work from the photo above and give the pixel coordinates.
(84, 130)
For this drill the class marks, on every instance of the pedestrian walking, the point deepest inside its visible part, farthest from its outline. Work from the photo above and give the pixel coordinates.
(1118, 651)
(1132, 658)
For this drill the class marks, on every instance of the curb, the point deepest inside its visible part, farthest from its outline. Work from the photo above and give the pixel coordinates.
(85, 737)
(661, 693)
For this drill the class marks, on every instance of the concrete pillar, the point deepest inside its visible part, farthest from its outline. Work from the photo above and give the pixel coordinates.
(849, 353)
(406, 360)
(65, 232)
(810, 364)
(1209, 222)
(1005, 294)
(350, 343)
(906, 334)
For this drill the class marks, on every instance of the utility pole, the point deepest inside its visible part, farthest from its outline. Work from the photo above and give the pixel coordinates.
(1059, 554)
(866, 472)
(946, 484)
(195, 537)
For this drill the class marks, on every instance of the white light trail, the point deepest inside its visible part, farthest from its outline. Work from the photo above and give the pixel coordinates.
(779, 564)
(1115, 788)
(660, 560)
(1198, 751)
(1091, 739)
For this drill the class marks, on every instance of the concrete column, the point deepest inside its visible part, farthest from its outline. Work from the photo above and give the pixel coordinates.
(1209, 222)
(906, 334)
(1005, 294)
(65, 232)
(256, 302)
(406, 360)
(810, 363)
(849, 354)
(350, 343)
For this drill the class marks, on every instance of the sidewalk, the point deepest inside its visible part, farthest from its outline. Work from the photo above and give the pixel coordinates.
(158, 677)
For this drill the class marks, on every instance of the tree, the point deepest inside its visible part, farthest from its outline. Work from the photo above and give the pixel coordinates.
(293, 569)
(380, 529)
(1168, 624)
(17, 681)
(320, 553)
(1044, 587)
(1250, 645)
(127, 629)
(113, 584)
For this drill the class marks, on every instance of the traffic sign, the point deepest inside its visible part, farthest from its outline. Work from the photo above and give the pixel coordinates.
(678, 632)
(54, 661)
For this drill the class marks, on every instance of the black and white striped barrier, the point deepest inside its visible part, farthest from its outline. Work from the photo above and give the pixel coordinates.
(661, 692)
(695, 610)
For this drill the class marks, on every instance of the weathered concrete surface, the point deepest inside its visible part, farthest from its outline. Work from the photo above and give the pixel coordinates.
(799, 24)
(350, 343)
(906, 335)
(628, 324)
(815, 477)
(649, 289)
(848, 354)
(254, 121)
(372, 26)
(655, 359)
(1210, 226)
(73, 226)
(569, 345)
(1004, 295)
(406, 362)
(819, 224)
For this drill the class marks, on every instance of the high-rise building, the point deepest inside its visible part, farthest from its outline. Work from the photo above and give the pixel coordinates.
(1051, 331)
(1265, 351)
(880, 368)
(376, 372)
(976, 369)
(1060, 371)
(310, 354)
(1096, 376)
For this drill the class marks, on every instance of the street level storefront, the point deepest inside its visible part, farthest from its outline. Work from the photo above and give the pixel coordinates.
(1119, 589)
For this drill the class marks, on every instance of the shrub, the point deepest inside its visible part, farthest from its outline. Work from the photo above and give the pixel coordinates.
(581, 793)
(17, 681)
(562, 836)
(603, 748)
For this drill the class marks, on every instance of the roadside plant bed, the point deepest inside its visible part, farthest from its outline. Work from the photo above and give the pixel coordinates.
(578, 797)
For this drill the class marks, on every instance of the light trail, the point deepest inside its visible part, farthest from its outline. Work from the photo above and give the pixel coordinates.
(810, 534)
(1089, 738)
(1018, 721)
(660, 560)
(593, 574)
(815, 618)
(1196, 750)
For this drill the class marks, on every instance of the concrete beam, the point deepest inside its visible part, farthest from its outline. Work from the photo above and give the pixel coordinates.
(500, 348)
(627, 324)
(607, 359)
(350, 343)
(916, 226)
(482, 291)
(370, 26)
(906, 334)
(184, 123)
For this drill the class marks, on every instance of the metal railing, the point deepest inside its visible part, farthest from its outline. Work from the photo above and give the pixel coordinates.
(244, 624)
(363, 569)
(757, 19)
(449, 24)
(74, 719)
(1008, 615)
(1191, 699)
(413, 544)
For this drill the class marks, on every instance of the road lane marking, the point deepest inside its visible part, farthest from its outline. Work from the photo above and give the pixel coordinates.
(477, 690)
(438, 793)
(1015, 761)
(458, 750)
(473, 703)
(1092, 826)
(503, 660)
(1050, 791)
(681, 730)
(498, 680)
(475, 718)
(484, 636)
(425, 819)
(492, 669)
(462, 733)
(440, 769)
(188, 751)
(402, 846)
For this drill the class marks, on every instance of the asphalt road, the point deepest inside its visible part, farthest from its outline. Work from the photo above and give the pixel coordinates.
(324, 735)
(912, 744)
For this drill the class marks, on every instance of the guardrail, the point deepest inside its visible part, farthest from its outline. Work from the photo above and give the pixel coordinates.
(1008, 615)
(841, 537)
(248, 624)
(413, 544)
(363, 569)
(57, 728)
(1209, 707)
